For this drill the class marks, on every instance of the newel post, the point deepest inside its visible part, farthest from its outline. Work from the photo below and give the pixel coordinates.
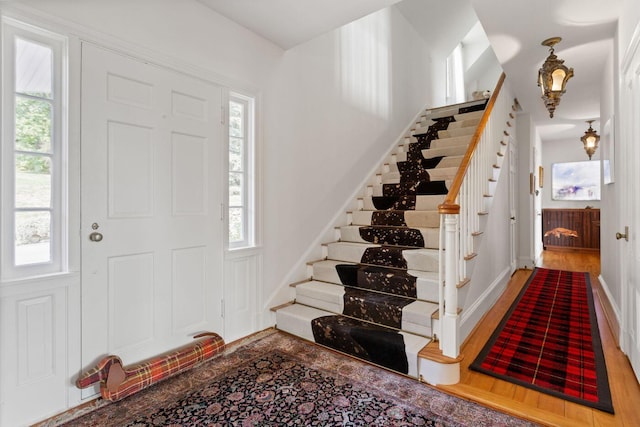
(450, 337)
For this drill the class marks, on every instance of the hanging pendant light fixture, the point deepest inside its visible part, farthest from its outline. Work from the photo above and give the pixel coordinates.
(553, 77)
(590, 140)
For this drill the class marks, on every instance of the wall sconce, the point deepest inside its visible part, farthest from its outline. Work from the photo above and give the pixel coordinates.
(590, 140)
(553, 77)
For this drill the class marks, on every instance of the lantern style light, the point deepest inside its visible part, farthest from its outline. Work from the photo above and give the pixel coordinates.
(590, 140)
(553, 77)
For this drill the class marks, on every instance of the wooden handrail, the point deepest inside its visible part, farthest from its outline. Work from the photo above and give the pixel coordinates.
(449, 205)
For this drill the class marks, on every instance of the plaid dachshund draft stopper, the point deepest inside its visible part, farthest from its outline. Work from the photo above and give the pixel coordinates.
(117, 382)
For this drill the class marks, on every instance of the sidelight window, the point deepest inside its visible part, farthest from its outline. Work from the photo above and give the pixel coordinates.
(33, 146)
(241, 177)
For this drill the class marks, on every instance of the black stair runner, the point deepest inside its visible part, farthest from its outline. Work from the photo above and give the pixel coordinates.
(377, 289)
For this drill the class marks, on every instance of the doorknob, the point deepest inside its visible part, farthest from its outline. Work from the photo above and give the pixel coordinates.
(95, 236)
(624, 236)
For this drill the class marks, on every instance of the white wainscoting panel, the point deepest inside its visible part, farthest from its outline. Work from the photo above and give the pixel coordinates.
(242, 293)
(35, 335)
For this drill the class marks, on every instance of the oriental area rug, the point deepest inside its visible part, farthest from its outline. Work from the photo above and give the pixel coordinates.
(274, 379)
(549, 341)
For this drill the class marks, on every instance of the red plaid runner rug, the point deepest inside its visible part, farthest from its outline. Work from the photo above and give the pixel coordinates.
(549, 341)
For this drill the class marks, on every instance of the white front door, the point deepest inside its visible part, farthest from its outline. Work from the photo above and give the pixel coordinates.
(152, 143)
(630, 210)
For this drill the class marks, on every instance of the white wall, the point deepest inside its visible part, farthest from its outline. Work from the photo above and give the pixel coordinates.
(180, 34)
(559, 151)
(629, 19)
(483, 74)
(433, 20)
(526, 138)
(334, 107)
(184, 32)
(492, 266)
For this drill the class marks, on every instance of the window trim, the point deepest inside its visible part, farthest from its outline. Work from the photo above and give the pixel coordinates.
(59, 45)
(249, 169)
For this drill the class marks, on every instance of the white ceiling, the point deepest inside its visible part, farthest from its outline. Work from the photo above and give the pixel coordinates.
(287, 23)
(514, 28)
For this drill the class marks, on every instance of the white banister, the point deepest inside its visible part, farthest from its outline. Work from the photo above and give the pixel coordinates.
(449, 341)
(468, 199)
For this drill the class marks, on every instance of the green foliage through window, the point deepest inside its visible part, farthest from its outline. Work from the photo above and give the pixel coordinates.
(33, 134)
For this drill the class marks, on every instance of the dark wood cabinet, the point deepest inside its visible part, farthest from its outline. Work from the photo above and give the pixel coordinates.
(571, 228)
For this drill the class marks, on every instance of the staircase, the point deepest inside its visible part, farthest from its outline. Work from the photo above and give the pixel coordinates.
(375, 293)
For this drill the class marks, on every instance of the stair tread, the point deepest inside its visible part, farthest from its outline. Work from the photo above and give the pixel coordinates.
(421, 285)
(298, 320)
(458, 131)
(332, 292)
(422, 202)
(450, 142)
(385, 255)
(391, 235)
(432, 352)
(438, 185)
(305, 311)
(353, 226)
(453, 112)
(416, 273)
(455, 150)
(377, 245)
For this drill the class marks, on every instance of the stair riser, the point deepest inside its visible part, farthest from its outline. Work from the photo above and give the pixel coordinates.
(418, 203)
(411, 259)
(414, 219)
(430, 129)
(450, 142)
(354, 338)
(415, 317)
(413, 170)
(425, 238)
(413, 284)
(492, 187)
(452, 132)
(427, 140)
(382, 309)
(433, 187)
(456, 150)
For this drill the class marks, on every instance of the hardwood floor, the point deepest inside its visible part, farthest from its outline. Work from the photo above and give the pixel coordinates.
(540, 407)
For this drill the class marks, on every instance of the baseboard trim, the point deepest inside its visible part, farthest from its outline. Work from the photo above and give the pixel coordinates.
(609, 307)
(473, 314)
